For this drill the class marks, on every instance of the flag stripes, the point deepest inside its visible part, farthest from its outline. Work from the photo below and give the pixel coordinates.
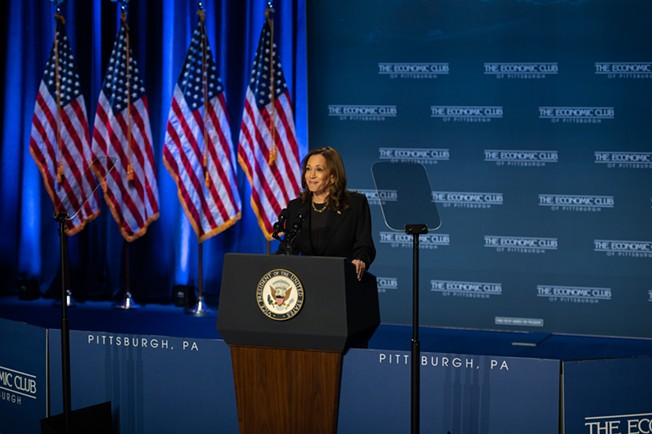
(267, 147)
(198, 150)
(59, 137)
(122, 144)
(198, 147)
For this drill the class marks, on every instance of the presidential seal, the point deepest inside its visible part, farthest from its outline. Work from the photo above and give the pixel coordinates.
(279, 294)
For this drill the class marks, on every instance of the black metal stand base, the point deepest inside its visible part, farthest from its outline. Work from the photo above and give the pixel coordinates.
(95, 419)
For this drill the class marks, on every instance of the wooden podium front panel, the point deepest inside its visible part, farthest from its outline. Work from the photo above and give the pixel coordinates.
(286, 391)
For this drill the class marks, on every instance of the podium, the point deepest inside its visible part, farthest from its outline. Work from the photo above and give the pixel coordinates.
(288, 320)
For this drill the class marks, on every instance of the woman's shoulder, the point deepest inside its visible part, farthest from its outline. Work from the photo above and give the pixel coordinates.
(295, 203)
(355, 198)
(355, 195)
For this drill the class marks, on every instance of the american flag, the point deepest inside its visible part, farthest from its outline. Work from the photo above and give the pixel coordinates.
(122, 137)
(267, 148)
(59, 140)
(198, 148)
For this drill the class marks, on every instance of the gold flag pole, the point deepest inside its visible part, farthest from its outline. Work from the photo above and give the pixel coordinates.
(57, 78)
(127, 302)
(200, 308)
(130, 167)
(272, 119)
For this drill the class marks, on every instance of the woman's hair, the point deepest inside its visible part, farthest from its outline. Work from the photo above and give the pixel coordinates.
(337, 200)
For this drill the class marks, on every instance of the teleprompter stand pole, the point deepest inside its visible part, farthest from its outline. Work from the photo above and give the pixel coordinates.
(96, 419)
(65, 334)
(415, 230)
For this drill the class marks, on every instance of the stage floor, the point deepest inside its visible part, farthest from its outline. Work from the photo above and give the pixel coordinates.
(170, 320)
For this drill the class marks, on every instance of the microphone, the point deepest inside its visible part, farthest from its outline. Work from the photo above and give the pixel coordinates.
(292, 232)
(279, 226)
(301, 216)
(296, 227)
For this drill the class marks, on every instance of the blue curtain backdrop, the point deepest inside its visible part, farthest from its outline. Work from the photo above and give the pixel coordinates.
(160, 32)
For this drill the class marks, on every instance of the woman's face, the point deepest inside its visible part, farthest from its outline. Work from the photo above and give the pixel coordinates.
(318, 175)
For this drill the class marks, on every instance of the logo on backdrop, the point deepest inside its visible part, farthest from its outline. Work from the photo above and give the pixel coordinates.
(624, 160)
(16, 385)
(573, 202)
(577, 115)
(518, 322)
(521, 70)
(525, 245)
(520, 158)
(367, 113)
(280, 294)
(649, 296)
(574, 294)
(426, 241)
(624, 248)
(626, 70)
(377, 197)
(457, 288)
(619, 424)
(413, 70)
(467, 199)
(414, 155)
(386, 284)
(461, 113)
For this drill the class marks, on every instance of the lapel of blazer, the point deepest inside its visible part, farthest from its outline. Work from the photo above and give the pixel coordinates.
(305, 233)
(333, 224)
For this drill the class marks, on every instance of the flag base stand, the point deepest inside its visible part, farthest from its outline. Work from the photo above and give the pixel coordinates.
(126, 303)
(70, 301)
(200, 308)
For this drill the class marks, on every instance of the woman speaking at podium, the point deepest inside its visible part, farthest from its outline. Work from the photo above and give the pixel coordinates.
(327, 219)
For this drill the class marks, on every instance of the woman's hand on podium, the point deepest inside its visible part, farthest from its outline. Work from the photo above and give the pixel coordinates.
(360, 266)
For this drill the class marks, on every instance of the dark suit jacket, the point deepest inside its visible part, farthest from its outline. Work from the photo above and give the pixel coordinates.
(348, 233)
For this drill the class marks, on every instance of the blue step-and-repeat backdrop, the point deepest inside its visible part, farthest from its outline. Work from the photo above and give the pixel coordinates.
(534, 122)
